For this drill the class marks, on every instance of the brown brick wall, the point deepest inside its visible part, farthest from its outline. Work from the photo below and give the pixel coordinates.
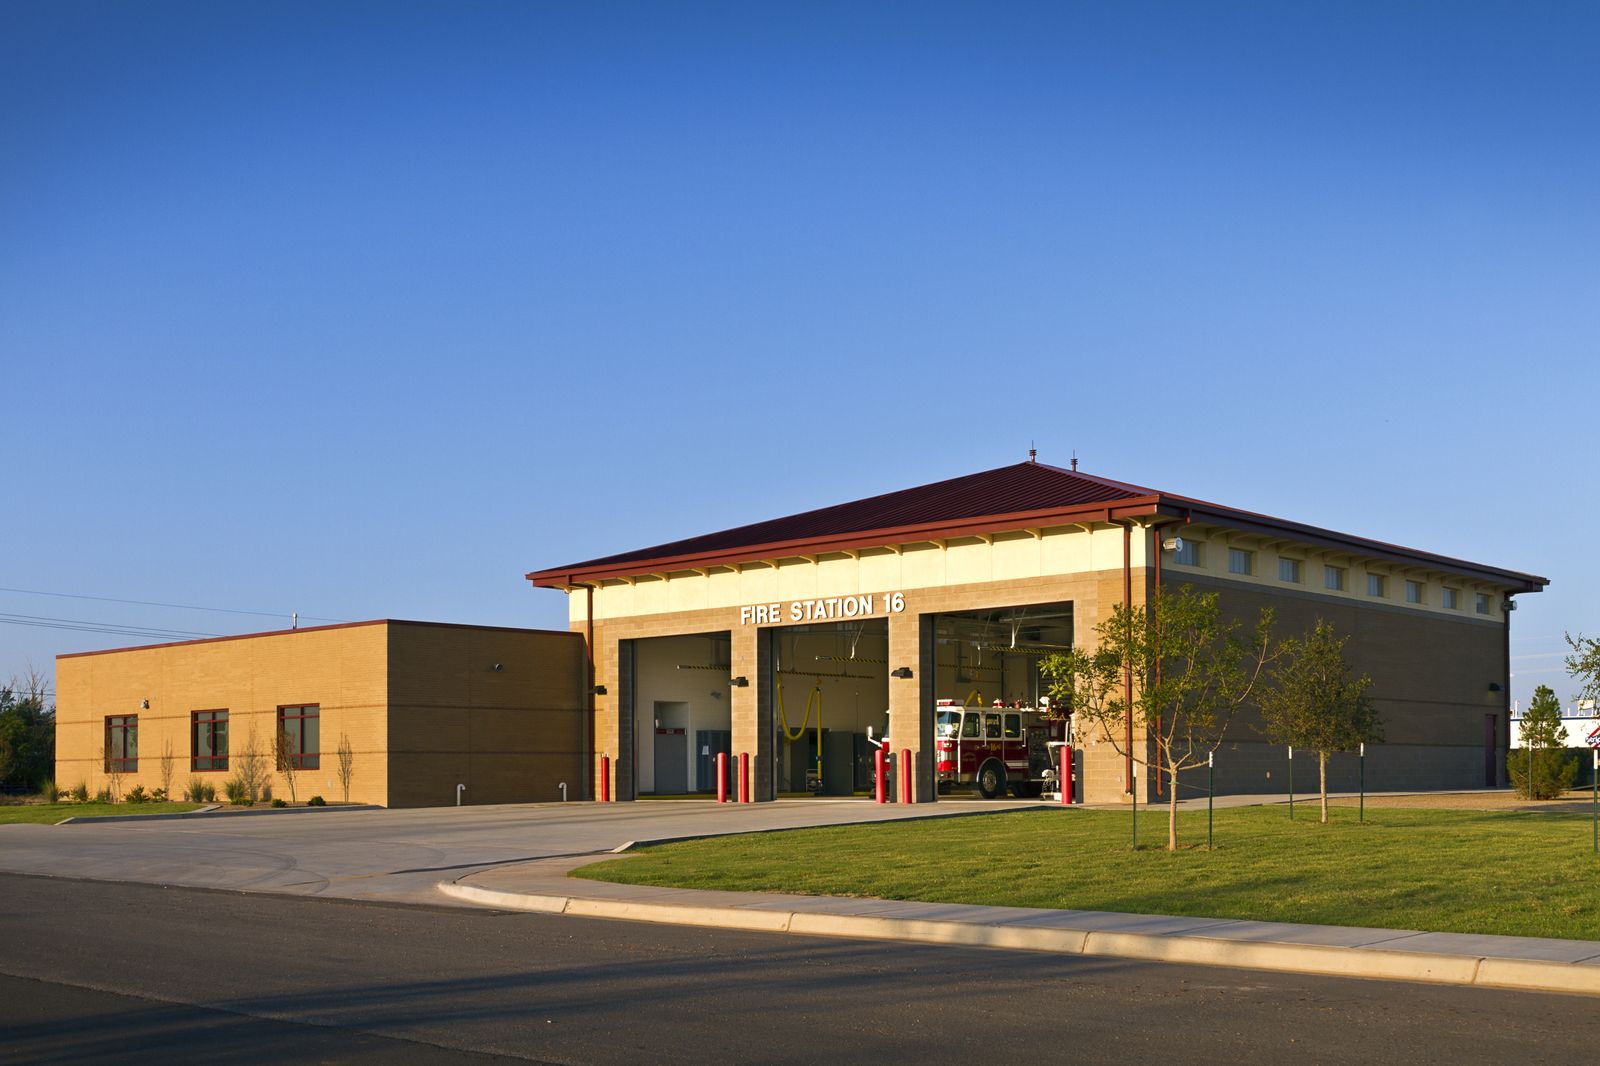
(1430, 681)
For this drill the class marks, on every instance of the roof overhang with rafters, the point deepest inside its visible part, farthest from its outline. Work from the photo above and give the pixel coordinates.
(1026, 496)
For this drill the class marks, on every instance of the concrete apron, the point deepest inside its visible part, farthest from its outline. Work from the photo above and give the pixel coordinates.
(1525, 963)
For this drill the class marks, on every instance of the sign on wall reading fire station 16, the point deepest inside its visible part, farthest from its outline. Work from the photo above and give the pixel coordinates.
(823, 610)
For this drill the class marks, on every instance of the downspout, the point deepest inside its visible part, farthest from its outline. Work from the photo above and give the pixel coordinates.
(588, 719)
(1156, 538)
(1507, 606)
(1127, 667)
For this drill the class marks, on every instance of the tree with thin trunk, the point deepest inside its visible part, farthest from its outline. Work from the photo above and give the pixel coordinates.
(284, 754)
(1190, 667)
(347, 764)
(113, 771)
(1584, 664)
(167, 764)
(1311, 701)
(252, 768)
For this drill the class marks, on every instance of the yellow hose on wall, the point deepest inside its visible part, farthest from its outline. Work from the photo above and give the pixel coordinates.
(814, 697)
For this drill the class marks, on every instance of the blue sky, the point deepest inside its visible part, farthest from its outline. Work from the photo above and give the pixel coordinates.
(365, 310)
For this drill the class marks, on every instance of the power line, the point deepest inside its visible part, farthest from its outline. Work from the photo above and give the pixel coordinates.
(174, 606)
(85, 626)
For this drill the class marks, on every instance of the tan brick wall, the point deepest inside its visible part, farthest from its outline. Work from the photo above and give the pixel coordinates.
(1091, 593)
(342, 669)
(421, 704)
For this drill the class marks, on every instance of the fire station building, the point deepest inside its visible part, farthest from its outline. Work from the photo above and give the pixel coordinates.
(799, 641)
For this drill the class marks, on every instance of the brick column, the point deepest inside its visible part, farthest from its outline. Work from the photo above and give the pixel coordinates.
(750, 708)
(911, 699)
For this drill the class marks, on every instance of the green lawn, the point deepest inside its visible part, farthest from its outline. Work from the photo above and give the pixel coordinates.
(1522, 874)
(51, 813)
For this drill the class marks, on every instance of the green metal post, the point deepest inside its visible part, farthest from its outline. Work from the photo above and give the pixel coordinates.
(1363, 782)
(1211, 791)
(1291, 782)
(1135, 805)
(1594, 802)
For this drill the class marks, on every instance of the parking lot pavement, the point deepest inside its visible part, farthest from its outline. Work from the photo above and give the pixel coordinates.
(401, 855)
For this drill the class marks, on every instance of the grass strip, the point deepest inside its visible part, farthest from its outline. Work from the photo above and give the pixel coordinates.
(51, 813)
(1511, 873)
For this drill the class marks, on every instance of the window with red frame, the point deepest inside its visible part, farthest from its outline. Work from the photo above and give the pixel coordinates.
(122, 744)
(208, 740)
(301, 727)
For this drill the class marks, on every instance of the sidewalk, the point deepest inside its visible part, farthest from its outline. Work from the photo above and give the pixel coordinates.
(1443, 958)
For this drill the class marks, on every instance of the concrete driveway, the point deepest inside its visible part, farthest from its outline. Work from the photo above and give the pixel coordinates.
(401, 855)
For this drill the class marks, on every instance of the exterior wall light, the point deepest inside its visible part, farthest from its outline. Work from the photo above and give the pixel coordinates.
(902, 672)
(1494, 686)
(144, 705)
(740, 682)
(599, 690)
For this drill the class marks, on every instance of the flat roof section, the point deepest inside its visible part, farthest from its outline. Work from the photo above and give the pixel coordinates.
(309, 629)
(1021, 496)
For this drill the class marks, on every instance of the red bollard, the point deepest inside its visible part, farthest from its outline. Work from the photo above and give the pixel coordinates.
(905, 775)
(880, 775)
(722, 777)
(605, 779)
(744, 777)
(1066, 774)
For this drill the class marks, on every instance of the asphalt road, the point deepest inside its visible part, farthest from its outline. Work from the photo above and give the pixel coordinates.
(401, 855)
(94, 971)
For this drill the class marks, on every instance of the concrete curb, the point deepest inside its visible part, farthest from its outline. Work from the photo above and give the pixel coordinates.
(930, 816)
(215, 810)
(1324, 960)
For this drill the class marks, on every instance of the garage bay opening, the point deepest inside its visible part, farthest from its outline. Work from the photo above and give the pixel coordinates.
(681, 716)
(830, 703)
(994, 728)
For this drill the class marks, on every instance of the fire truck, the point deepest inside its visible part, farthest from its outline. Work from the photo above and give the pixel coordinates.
(991, 748)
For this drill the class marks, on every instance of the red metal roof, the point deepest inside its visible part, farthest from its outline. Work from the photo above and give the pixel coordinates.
(1024, 495)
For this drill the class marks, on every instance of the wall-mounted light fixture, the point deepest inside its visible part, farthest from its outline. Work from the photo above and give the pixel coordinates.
(1494, 686)
(599, 690)
(740, 682)
(144, 705)
(498, 668)
(902, 672)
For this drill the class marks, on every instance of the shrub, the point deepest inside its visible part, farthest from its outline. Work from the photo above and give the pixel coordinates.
(158, 795)
(80, 793)
(137, 795)
(238, 792)
(316, 801)
(51, 793)
(104, 795)
(195, 790)
(280, 803)
(208, 794)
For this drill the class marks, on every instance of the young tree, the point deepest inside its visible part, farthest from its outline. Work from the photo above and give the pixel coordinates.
(1544, 771)
(347, 764)
(252, 768)
(1190, 668)
(168, 762)
(1311, 701)
(113, 771)
(284, 755)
